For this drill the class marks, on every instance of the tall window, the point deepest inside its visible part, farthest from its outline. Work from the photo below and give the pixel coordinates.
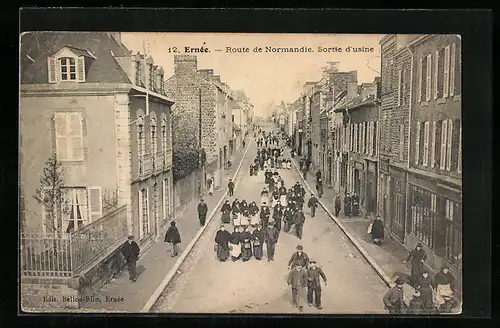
(459, 160)
(433, 144)
(164, 136)
(423, 215)
(375, 140)
(76, 214)
(401, 142)
(428, 77)
(144, 226)
(156, 206)
(154, 140)
(449, 145)
(67, 68)
(444, 144)
(446, 76)
(69, 136)
(141, 145)
(436, 74)
(417, 143)
(138, 72)
(420, 79)
(425, 157)
(166, 199)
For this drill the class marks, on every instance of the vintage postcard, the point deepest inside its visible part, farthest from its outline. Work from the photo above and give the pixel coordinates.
(240, 173)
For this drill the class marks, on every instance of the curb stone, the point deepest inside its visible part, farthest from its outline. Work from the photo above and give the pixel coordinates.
(384, 276)
(158, 292)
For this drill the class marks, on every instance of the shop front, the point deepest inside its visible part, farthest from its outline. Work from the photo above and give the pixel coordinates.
(383, 195)
(435, 220)
(397, 200)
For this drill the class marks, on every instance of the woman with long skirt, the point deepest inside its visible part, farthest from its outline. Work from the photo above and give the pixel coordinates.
(235, 244)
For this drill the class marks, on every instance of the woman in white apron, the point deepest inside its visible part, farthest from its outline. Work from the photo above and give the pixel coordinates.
(235, 244)
(283, 201)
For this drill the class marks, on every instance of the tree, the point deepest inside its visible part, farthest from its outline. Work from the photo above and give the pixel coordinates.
(50, 194)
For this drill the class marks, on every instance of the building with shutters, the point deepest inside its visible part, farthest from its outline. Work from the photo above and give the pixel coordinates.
(435, 168)
(102, 111)
(360, 112)
(420, 193)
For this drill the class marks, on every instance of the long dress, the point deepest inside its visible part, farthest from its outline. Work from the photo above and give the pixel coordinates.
(377, 231)
(222, 239)
(235, 242)
(236, 218)
(264, 198)
(245, 219)
(246, 250)
(254, 216)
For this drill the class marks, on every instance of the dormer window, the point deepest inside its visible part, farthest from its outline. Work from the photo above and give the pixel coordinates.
(68, 65)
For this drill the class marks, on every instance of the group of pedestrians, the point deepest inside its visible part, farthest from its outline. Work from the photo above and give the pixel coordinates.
(430, 294)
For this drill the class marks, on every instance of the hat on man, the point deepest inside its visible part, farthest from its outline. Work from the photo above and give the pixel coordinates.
(399, 281)
(299, 247)
(131, 237)
(312, 261)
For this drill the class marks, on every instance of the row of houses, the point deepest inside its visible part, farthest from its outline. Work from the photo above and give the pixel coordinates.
(395, 141)
(114, 123)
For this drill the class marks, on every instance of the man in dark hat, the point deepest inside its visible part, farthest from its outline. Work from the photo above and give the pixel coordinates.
(314, 284)
(230, 187)
(299, 219)
(130, 251)
(270, 237)
(202, 212)
(312, 204)
(173, 237)
(297, 279)
(393, 299)
(299, 257)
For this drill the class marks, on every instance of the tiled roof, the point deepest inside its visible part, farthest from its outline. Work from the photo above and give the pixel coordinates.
(356, 102)
(40, 45)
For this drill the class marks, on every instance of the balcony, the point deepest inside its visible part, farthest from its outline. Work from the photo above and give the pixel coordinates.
(145, 165)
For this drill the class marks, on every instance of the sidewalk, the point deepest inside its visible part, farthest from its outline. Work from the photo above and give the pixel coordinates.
(156, 262)
(389, 256)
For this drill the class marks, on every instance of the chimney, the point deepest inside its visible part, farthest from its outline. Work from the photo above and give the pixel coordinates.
(333, 67)
(352, 90)
(159, 79)
(117, 36)
(185, 65)
(216, 79)
(368, 89)
(206, 73)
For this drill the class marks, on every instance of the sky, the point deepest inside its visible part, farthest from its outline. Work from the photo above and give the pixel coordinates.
(266, 78)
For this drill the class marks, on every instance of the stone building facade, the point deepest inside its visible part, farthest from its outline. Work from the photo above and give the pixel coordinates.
(203, 98)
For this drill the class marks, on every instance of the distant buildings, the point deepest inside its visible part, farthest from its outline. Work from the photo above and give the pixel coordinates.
(395, 142)
(83, 98)
(242, 118)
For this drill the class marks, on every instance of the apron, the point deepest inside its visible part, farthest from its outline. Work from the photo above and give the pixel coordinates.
(264, 199)
(245, 220)
(237, 219)
(283, 200)
(235, 250)
(441, 291)
(255, 219)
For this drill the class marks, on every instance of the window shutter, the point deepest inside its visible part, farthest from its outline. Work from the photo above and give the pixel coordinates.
(375, 138)
(455, 145)
(452, 69)
(80, 69)
(419, 90)
(362, 150)
(446, 89)
(436, 74)
(95, 203)
(417, 144)
(428, 78)
(458, 69)
(433, 144)
(426, 144)
(52, 69)
(62, 130)
(444, 133)
(351, 137)
(369, 139)
(448, 145)
(139, 202)
(459, 160)
(76, 145)
(439, 133)
(148, 209)
(164, 200)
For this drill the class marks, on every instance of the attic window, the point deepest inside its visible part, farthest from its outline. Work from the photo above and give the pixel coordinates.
(66, 69)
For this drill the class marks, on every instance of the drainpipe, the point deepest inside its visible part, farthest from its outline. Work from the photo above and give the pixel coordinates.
(407, 201)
